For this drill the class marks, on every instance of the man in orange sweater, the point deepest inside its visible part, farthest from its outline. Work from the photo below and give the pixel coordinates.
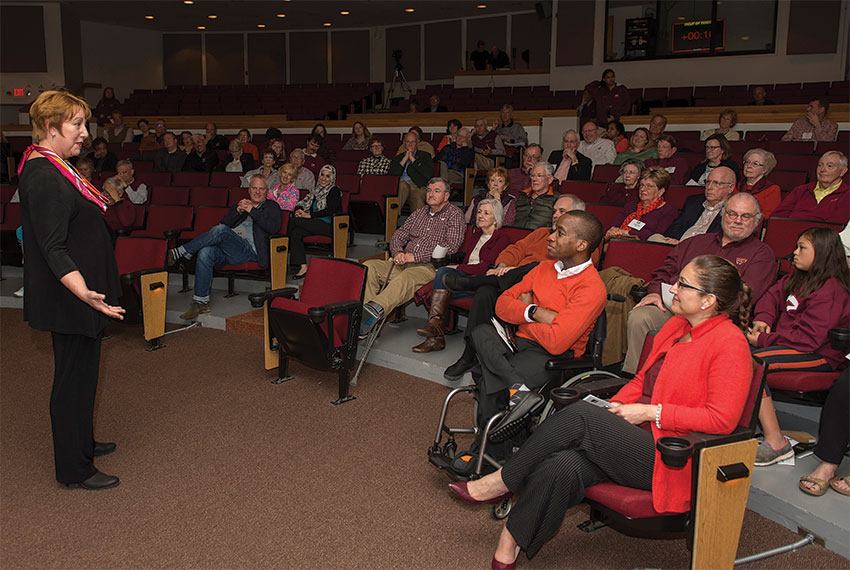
(555, 306)
(511, 266)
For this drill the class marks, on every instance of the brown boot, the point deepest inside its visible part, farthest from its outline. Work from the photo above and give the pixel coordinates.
(439, 302)
(431, 344)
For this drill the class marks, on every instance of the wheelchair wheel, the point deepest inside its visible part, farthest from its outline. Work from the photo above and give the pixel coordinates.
(582, 378)
(501, 510)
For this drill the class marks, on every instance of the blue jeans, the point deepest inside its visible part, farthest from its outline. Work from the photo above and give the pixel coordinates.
(219, 246)
(438, 283)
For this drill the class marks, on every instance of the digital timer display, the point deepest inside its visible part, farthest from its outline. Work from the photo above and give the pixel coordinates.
(18, 92)
(696, 36)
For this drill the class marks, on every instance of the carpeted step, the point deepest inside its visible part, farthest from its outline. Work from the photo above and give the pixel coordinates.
(250, 323)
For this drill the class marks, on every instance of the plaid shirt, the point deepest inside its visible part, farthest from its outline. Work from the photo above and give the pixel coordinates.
(379, 165)
(423, 231)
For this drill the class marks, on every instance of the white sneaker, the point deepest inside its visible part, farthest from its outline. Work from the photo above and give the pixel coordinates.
(19, 293)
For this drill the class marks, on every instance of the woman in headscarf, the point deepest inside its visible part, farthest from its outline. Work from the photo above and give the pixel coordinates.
(313, 216)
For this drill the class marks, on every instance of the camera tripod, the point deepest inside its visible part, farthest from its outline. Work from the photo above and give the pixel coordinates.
(398, 79)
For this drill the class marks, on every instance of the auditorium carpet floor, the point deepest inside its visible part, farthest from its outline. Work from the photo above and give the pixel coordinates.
(221, 469)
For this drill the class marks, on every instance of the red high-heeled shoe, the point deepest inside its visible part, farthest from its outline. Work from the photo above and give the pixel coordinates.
(461, 489)
(496, 565)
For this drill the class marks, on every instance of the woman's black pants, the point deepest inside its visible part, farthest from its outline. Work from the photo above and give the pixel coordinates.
(299, 228)
(834, 431)
(76, 362)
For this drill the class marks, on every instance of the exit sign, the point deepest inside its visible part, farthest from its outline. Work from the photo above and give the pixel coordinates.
(18, 92)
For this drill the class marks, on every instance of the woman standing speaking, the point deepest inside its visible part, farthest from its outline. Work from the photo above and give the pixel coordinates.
(71, 279)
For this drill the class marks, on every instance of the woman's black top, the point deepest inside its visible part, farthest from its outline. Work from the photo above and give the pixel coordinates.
(63, 232)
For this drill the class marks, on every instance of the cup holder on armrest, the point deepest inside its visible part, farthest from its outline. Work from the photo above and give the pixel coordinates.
(675, 451)
(563, 396)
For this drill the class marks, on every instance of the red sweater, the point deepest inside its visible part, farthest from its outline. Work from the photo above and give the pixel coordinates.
(702, 386)
(578, 300)
(801, 203)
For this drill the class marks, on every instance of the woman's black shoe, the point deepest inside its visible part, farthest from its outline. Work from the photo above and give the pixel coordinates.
(96, 482)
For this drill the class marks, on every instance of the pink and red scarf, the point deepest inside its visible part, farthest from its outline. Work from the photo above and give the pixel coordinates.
(83, 186)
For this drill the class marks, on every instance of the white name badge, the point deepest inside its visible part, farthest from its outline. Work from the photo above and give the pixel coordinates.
(806, 136)
(671, 169)
(636, 225)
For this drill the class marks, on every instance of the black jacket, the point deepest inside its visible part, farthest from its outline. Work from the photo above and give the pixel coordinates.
(245, 158)
(691, 212)
(266, 217)
(578, 171)
(201, 163)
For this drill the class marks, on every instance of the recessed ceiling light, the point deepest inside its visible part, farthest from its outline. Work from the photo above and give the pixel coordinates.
(481, 6)
(745, 38)
(188, 1)
(326, 24)
(202, 27)
(409, 10)
(681, 18)
(261, 25)
(281, 15)
(345, 12)
(148, 17)
(212, 16)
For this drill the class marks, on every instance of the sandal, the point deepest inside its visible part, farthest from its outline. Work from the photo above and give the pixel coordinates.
(819, 490)
(834, 480)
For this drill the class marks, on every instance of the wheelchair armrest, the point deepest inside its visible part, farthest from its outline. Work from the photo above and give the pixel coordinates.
(565, 363)
(257, 299)
(601, 388)
(318, 314)
(637, 293)
(839, 338)
(675, 450)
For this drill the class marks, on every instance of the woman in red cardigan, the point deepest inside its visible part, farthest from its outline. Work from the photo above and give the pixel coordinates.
(482, 247)
(696, 378)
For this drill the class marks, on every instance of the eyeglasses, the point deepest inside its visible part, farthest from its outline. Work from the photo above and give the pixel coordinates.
(682, 285)
(716, 183)
(732, 215)
(753, 162)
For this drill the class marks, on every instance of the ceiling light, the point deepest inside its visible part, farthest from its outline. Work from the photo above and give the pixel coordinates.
(481, 6)
(148, 17)
(327, 24)
(261, 25)
(188, 1)
(281, 15)
(409, 10)
(745, 38)
(345, 12)
(212, 16)
(202, 27)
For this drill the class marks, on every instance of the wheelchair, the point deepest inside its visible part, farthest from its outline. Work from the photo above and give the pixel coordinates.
(516, 423)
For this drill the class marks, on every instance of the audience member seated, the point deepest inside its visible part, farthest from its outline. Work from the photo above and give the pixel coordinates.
(701, 213)
(160, 128)
(735, 242)
(640, 147)
(215, 141)
(828, 199)
(521, 177)
(452, 127)
(833, 439)
(620, 193)
(487, 144)
(313, 161)
(186, 144)
(242, 236)
(169, 158)
(107, 104)
(120, 214)
(279, 152)
(412, 107)
(202, 158)
(104, 161)
(554, 307)
(414, 168)
(594, 147)
(376, 163)
(757, 165)
(360, 136)
(586, 110)
(511, 266)
(717, 153)
(136, 191)
(791, 323)
(478, 58)
(455, 158)
(760, 97)
(286, 194)
(728, 118)
(534, 204)
(657, 124)
(85, 166)
(412, 246)
(266, 170)
(678, 168)
(569, 163)
(513, 134)
(616, 133)
(117, 131)
(696, 379)
(612, 101)
(814, 126)
(434, 105)
(146, 138)
(498, 59)
(86, 149)
(313, 216)
(324, 150)
(304, 179)
(423, 144)
(497, 188)
(244, 136)
(239, 161)
(482, 247)
(649, 214)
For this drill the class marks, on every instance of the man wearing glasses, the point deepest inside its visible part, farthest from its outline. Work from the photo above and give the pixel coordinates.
(700, 214)
(740, 217)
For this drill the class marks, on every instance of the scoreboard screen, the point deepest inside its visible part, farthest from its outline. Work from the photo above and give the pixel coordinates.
(699, 35)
